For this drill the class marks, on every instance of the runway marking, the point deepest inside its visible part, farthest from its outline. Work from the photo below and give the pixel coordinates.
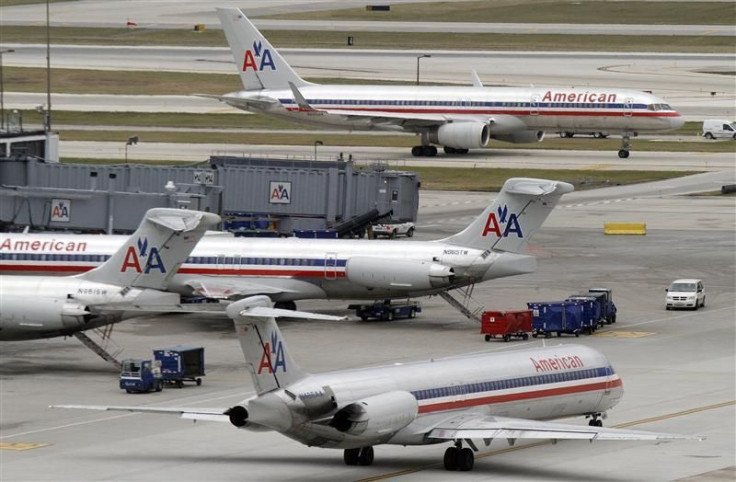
(547, 442)
(18, 446)
(624, 334)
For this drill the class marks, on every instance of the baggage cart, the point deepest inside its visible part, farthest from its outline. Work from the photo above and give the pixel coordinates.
(591, 311)
(181, 363)
(556, 317)
(506, 324)
(608, 308)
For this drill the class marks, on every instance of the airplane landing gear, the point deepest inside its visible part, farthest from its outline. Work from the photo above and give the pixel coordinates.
(623, 153)
(459, 458)
(595, 421)
(455, 150)
(424, 151)
(285, 305)
(363, 456)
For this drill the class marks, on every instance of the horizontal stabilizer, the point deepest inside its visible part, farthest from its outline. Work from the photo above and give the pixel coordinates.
(203, 414)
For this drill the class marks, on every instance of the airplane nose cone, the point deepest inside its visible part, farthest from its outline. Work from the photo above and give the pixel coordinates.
(676, 122)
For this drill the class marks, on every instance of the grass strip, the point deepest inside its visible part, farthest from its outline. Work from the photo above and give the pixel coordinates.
(383, 40)
(540, 11)
(357, 139)
(234, 121)
(492, 179)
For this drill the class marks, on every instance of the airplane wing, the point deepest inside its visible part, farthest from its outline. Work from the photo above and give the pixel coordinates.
(242, 288)
(474, 426)
(204, 414)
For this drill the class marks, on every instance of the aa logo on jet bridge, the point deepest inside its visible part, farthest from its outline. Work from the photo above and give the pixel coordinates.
(262, 54)
(502, 225)
(140, 252)
(273, 356)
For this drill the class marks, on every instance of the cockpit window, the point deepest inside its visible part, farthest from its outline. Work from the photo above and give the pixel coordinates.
(657, 107)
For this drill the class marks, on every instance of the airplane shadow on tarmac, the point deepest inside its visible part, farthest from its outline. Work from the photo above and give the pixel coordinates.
(382, 463)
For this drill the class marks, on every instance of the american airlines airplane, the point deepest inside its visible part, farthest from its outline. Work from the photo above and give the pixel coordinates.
(458, 400)
(135, 276)
(457, 118)
(289, 269)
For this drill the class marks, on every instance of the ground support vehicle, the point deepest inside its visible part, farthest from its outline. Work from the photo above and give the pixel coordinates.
(505, 324)
(140, 376)
(719, 129)
(181, 363)
(556, 317)
(596, 134)
(591, 311)
(384, 310)
(608, 308)
(685, 293)
(394, 230)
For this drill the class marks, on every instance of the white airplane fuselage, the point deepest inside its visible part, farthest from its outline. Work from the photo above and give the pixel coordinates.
(298, 268)
(405, 401)
(506, 110)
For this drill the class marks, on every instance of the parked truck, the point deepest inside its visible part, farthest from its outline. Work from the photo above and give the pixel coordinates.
(385, 310)
(140, 376)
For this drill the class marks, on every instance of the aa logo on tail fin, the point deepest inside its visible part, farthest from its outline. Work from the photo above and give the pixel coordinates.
(273, 356)
(258, 52)
(151, 259)
(502, 223)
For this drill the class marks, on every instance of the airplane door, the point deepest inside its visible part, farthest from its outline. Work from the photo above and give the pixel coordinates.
(534, 105)
(331, 266)
(628, 107)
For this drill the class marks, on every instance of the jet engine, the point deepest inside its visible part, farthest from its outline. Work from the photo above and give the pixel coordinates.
(523, 137)
(377, 416)
(461, 135)
(26, 318)
(395, 273)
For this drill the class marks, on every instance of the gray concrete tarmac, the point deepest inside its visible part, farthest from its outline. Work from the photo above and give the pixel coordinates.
(677, 366)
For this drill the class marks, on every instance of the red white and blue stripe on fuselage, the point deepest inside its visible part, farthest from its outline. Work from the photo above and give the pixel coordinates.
(527, 388)
(310, 267)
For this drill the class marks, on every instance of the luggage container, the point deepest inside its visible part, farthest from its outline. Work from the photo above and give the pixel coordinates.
(591, 311)
(556, 317)
(181, 363)
(506, 324)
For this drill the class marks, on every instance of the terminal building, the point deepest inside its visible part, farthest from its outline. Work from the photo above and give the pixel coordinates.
(253, 196)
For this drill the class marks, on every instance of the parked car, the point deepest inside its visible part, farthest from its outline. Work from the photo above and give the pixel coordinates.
(393, 230)
(685, 293)
(719, 129)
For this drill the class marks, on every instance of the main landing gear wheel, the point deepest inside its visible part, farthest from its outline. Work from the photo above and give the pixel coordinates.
(595, 421)
(424, 151)
(350, 456)
(458, 458)
(365, 457)
(455, 150)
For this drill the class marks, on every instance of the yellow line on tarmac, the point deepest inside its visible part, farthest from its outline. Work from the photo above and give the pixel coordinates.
(20, 446)
(547, 442)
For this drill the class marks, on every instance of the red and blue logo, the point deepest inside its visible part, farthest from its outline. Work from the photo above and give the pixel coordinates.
(273, 356)
(151, 259)
(502, 225)
(258, 58)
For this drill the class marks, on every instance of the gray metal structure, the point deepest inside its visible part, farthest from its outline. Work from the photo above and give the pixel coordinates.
(113, 198)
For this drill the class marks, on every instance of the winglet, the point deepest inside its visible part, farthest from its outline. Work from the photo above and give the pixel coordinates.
(476, 79)
(300, 100)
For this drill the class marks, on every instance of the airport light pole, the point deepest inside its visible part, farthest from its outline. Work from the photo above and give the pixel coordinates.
(131, 140)
(317, 143)
(420, 57)
(2, 89)
(47, 117)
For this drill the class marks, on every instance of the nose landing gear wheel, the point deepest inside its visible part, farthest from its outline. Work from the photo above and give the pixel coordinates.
(623, 154)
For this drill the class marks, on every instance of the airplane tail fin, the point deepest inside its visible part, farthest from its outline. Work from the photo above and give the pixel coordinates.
(514, 216)
(266, 354)
(153, 254)
(259, 64)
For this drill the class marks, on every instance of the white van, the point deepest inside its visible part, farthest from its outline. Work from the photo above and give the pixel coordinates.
(685, 293)
(719, 129)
